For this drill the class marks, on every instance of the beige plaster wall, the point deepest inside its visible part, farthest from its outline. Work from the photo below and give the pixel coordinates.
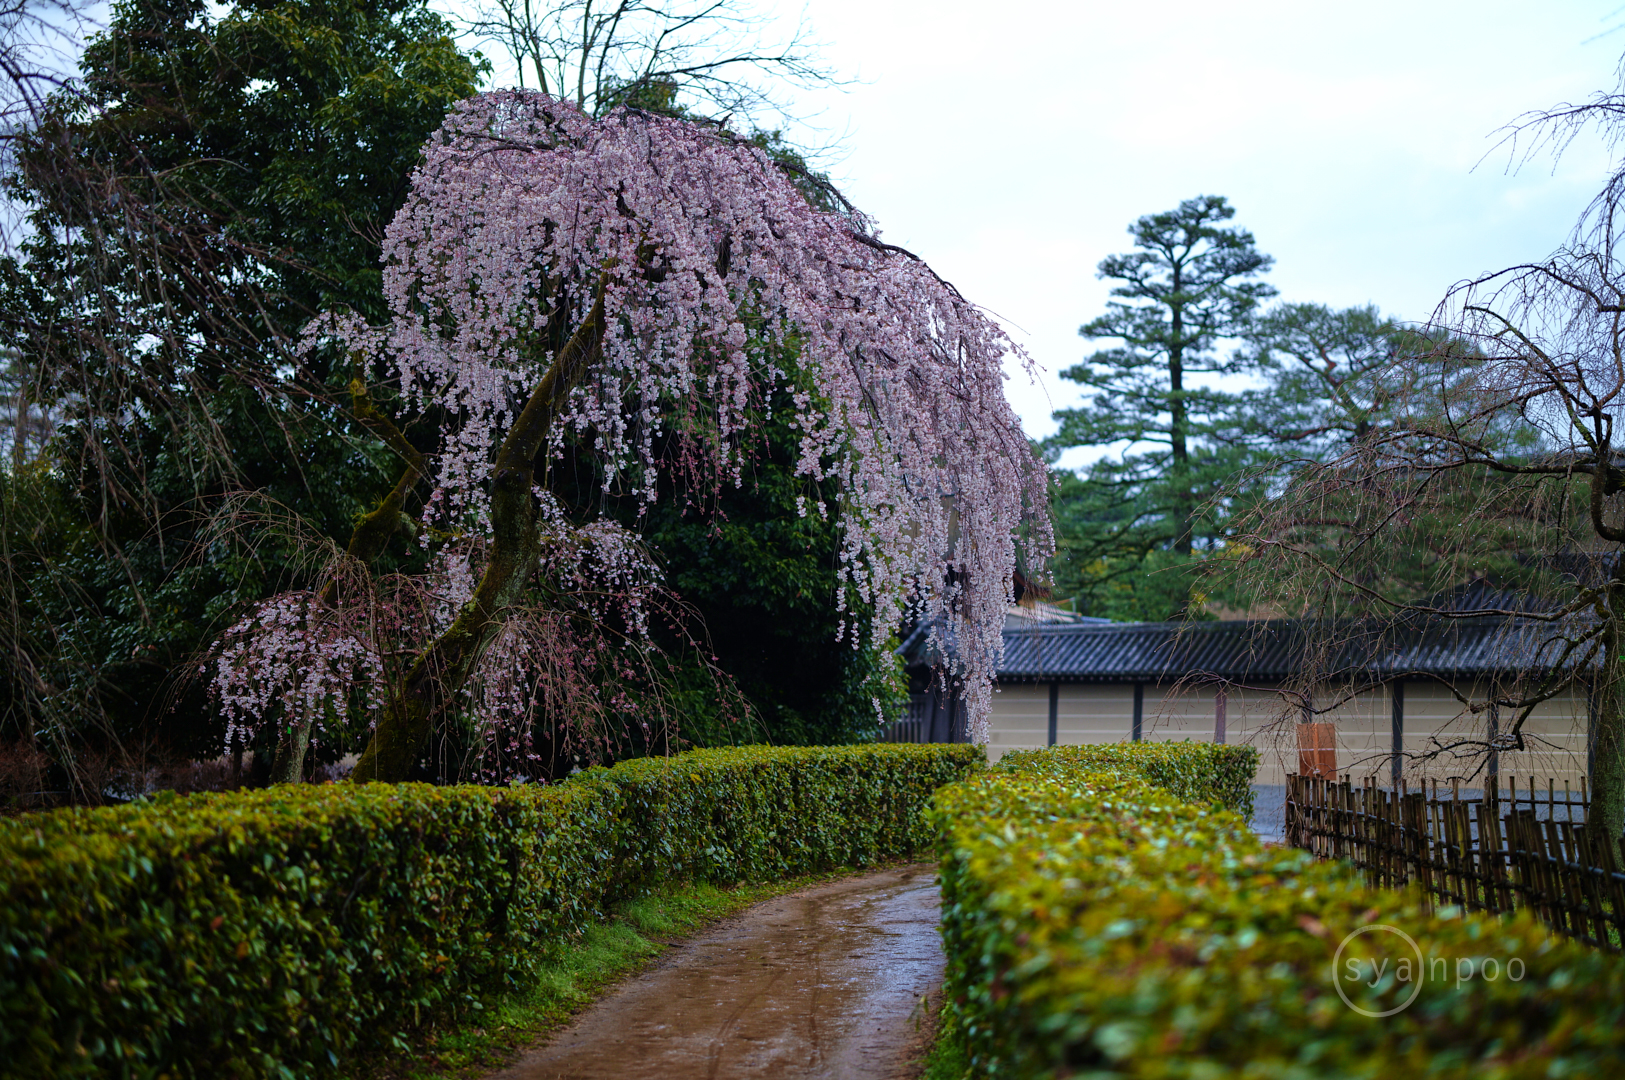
(1265, 718)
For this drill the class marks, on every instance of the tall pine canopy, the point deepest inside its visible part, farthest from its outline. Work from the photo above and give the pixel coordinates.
(1130, 527)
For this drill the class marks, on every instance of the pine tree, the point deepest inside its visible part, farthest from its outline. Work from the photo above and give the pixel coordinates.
(1189, 286)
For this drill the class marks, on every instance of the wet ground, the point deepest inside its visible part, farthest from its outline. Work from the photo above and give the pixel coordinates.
(1269, 812)
(821, 983)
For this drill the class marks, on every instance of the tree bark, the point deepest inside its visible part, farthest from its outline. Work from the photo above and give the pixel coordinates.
(1179, 468)
(1178, 443)
(1608, 726)
(288, 767)
(1607, 734)
(438, 674)
(1179, 422)
(1608, 764)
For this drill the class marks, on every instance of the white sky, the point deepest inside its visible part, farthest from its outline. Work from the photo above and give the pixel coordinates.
(1012, 147)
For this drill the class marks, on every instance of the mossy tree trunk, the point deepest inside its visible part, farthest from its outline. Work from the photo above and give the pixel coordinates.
(1607, 735)
(435, 677)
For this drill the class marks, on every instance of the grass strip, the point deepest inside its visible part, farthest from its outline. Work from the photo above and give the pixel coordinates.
(946, 1060)
(943, 1055)
(638, 931)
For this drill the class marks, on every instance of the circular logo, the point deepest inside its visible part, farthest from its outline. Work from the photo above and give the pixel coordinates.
(1371, 928)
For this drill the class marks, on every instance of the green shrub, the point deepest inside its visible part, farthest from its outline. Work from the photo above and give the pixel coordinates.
(278, 932)
(1097, 925)
(1196, 772)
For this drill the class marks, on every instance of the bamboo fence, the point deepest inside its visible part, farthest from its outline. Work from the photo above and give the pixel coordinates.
(1493, 852)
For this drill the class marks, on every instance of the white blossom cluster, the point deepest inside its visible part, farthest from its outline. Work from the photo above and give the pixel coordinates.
(557, 671)
(296, 660)
(314, 656)
(708, 262)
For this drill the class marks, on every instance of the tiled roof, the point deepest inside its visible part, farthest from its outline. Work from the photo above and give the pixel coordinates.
(1041, 612)
(1269, 651)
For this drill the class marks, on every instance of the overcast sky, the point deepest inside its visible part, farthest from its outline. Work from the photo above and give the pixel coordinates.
(1011, 145)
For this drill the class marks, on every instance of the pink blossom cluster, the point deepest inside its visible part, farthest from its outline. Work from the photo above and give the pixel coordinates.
(295, 660)
(711, 267)
(553, 673)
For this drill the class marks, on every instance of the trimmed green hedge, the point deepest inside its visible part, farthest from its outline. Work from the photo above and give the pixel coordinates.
(1096, 925)
(1196, 772)
(277, 932)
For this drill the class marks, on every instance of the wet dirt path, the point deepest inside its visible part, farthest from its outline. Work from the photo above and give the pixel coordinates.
(820, 983)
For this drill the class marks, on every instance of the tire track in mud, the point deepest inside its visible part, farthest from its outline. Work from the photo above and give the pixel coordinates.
(819, 983)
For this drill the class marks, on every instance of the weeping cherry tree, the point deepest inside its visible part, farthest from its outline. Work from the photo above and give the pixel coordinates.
(642, 287)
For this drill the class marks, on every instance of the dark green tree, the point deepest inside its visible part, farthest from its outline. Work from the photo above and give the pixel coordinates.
(1339, 380)
(216, 178)
(1332, 377)
(1131, 527)
(761, 580)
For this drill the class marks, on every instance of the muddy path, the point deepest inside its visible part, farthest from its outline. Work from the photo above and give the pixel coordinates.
(820, 983)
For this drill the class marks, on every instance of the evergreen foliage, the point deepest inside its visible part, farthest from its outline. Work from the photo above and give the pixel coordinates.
(1133, 524)
(281, 932)
(763, 581)
(216, 178)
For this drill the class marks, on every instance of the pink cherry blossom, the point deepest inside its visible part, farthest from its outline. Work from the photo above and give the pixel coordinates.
(712, 267)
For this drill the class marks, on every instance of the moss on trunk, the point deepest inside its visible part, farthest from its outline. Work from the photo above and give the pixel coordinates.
(1607, 735)
(437, 675)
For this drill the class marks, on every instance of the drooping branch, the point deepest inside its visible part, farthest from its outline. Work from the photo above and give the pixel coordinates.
(1599, 494)
(561, 285)
(368, 540)
(439, 673)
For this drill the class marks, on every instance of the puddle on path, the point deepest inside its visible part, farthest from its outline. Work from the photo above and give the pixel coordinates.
(821, 983)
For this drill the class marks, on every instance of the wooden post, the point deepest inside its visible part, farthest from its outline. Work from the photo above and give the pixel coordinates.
(1218, 716)
(1139, 710)
(1054, 709)
(1290, 827)
(1317, 749)
(1397, 695)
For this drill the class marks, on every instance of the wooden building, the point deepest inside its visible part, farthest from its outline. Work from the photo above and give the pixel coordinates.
(1380, 706)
